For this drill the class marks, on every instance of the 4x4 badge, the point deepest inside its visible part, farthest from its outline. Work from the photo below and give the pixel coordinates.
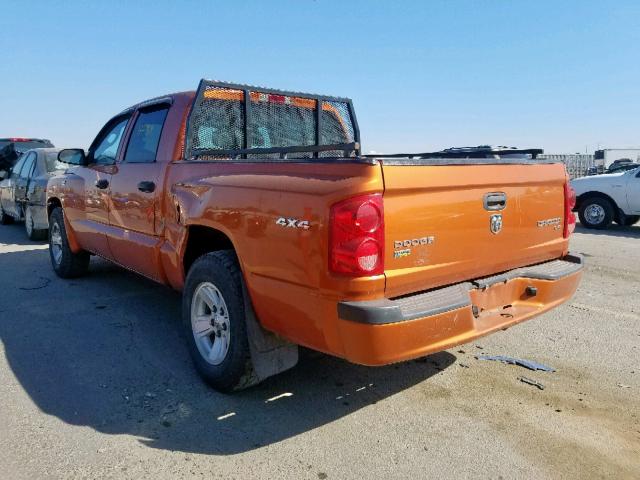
(293, 223)
(495, 223)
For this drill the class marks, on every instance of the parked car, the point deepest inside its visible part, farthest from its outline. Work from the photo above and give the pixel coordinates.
(12, 148)
(621, 166)
(23, 193)
(602, 199)
(594, 170)
(259, 207)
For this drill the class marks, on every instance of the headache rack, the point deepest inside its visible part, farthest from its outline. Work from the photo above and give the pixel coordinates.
(230, 121)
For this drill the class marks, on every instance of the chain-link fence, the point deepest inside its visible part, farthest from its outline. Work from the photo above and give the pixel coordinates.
(577, 164)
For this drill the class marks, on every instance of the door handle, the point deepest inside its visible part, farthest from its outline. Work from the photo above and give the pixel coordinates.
(102, 184)
(147, 187)
(495, 201)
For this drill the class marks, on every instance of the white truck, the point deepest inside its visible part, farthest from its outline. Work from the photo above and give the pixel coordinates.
(602, 199)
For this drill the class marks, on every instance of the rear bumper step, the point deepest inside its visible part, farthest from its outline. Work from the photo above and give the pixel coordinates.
(434, 302)
(386, 331)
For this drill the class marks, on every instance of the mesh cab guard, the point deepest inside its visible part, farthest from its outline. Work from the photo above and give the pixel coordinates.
(234, 122)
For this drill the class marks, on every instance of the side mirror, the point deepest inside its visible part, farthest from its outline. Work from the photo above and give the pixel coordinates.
(72, 156)
(3, 174)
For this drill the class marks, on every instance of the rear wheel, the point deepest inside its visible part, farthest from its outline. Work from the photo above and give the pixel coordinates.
(214, 322)
(596, 212)
(4, 218)
(32, 232)
(65, 263)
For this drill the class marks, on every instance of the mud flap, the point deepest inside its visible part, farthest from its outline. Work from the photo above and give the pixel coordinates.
(270, 354)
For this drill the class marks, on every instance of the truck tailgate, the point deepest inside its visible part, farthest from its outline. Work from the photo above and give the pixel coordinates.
(439, 228)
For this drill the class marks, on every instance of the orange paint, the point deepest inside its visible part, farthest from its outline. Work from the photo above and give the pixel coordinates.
(286, 269)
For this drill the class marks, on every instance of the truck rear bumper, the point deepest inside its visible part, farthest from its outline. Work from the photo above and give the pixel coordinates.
(379, 332)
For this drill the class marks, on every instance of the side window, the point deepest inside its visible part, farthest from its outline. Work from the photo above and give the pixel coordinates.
(28, 165)
(143, 143)
(51, 162)
(15, 171)
(107, 146)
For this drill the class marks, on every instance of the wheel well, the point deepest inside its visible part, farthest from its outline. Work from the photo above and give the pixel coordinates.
(585, 196)
(201, 240)
(51, 204)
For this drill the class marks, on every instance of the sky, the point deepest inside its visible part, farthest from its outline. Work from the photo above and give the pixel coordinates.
(423, 75)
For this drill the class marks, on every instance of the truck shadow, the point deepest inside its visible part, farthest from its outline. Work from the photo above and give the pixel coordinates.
(614, 230)
(105, 351)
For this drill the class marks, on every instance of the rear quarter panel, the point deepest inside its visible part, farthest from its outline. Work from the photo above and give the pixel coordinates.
(285, 268)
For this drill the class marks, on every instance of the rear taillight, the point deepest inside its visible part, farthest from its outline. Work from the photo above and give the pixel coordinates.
(569, 204)
(356, 236)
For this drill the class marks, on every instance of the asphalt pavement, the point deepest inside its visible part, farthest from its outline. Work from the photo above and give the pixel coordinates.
(95, 382)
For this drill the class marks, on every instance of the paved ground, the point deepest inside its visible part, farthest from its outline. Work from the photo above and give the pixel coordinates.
(95, 382)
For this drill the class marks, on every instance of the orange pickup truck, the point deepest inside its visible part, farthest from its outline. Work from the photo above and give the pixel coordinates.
(258, 205)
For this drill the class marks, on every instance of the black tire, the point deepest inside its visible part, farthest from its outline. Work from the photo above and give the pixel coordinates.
(69, 264)
(603, 206)
(235, 370)
(33, 233)
(628, 220)
(4, 218)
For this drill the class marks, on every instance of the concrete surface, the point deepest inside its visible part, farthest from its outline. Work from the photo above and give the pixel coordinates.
(95, 383)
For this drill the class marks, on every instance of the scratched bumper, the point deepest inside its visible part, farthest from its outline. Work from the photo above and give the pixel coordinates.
(384, 331)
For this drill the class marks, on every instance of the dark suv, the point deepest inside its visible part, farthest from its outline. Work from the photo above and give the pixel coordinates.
(12, 148)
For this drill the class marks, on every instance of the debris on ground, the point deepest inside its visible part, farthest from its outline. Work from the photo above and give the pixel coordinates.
(530, 381)
(530, 364)
(622, 385)
(44, 282)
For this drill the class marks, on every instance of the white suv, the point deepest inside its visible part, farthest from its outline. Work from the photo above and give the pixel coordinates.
(602, 199)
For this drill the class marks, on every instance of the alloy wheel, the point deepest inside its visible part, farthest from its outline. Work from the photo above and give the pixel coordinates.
(210, 323)
(56, 243)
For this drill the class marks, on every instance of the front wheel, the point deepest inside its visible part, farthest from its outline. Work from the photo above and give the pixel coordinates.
(596, 212)
(65, 263)
(214, 322)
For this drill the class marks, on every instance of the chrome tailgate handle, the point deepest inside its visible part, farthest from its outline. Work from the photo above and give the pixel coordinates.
(495, 201)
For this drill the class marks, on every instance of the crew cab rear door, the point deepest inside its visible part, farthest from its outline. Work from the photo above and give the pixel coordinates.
(135, 186)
